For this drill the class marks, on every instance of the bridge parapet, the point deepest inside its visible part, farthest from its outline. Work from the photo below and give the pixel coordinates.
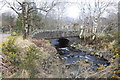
(55, 33)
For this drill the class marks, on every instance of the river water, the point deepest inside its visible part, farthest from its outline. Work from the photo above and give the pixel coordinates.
(70, 56)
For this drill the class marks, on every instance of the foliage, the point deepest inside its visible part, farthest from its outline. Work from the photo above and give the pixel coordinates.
(23, 61)
(77, 62)
(101, 67)
(116, 50)
(10, 49)
(13, 33)
(116, 62)
(29, 61)
(109, 42)
(19, 26)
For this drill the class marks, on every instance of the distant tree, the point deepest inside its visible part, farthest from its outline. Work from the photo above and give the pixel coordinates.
(8, 21)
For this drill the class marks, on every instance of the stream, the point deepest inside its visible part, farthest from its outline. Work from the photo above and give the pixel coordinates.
(70, 56)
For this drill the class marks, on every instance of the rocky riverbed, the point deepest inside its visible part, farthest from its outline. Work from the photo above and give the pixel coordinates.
(89, 49)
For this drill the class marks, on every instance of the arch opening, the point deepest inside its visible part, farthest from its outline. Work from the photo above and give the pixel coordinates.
(60, 43)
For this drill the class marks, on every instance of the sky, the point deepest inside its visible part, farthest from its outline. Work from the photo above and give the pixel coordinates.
(72, 11)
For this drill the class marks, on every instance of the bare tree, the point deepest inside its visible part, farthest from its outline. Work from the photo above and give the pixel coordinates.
(25, 12)
(92, 12)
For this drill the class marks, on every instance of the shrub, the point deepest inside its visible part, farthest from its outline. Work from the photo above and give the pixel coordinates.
(29, 61)
(26, 61)
(11, 51)
(14, 34)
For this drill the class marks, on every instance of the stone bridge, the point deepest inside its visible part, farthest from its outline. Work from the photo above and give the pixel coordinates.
(55, 34)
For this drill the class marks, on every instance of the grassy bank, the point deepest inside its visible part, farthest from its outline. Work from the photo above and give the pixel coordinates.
(37, 58)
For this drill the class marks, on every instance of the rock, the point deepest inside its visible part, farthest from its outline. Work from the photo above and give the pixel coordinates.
(61, 58)
(71, 55)
(90, 49)
(73, 47)
(97, 54)
(57, 57)
(92, 53)
(68, 56)
(67, 66)
(114, 57)
(65, 58)
(85, 51)
(77, 56)
(61, 52)
(100, 55)
(73, 74)
(49, 72)
(86, 60)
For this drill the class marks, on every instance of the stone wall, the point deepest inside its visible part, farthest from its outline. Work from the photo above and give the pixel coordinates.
(54, 34)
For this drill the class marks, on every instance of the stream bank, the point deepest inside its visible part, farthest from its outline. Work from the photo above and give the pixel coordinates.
(71, 55)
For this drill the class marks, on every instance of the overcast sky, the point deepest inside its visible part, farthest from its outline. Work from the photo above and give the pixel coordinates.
(5, 8)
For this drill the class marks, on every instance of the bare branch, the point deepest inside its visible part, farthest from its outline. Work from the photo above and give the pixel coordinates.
(12, 7)
(14, 10)
(42, 9)
(19, 3)
(3, 6)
